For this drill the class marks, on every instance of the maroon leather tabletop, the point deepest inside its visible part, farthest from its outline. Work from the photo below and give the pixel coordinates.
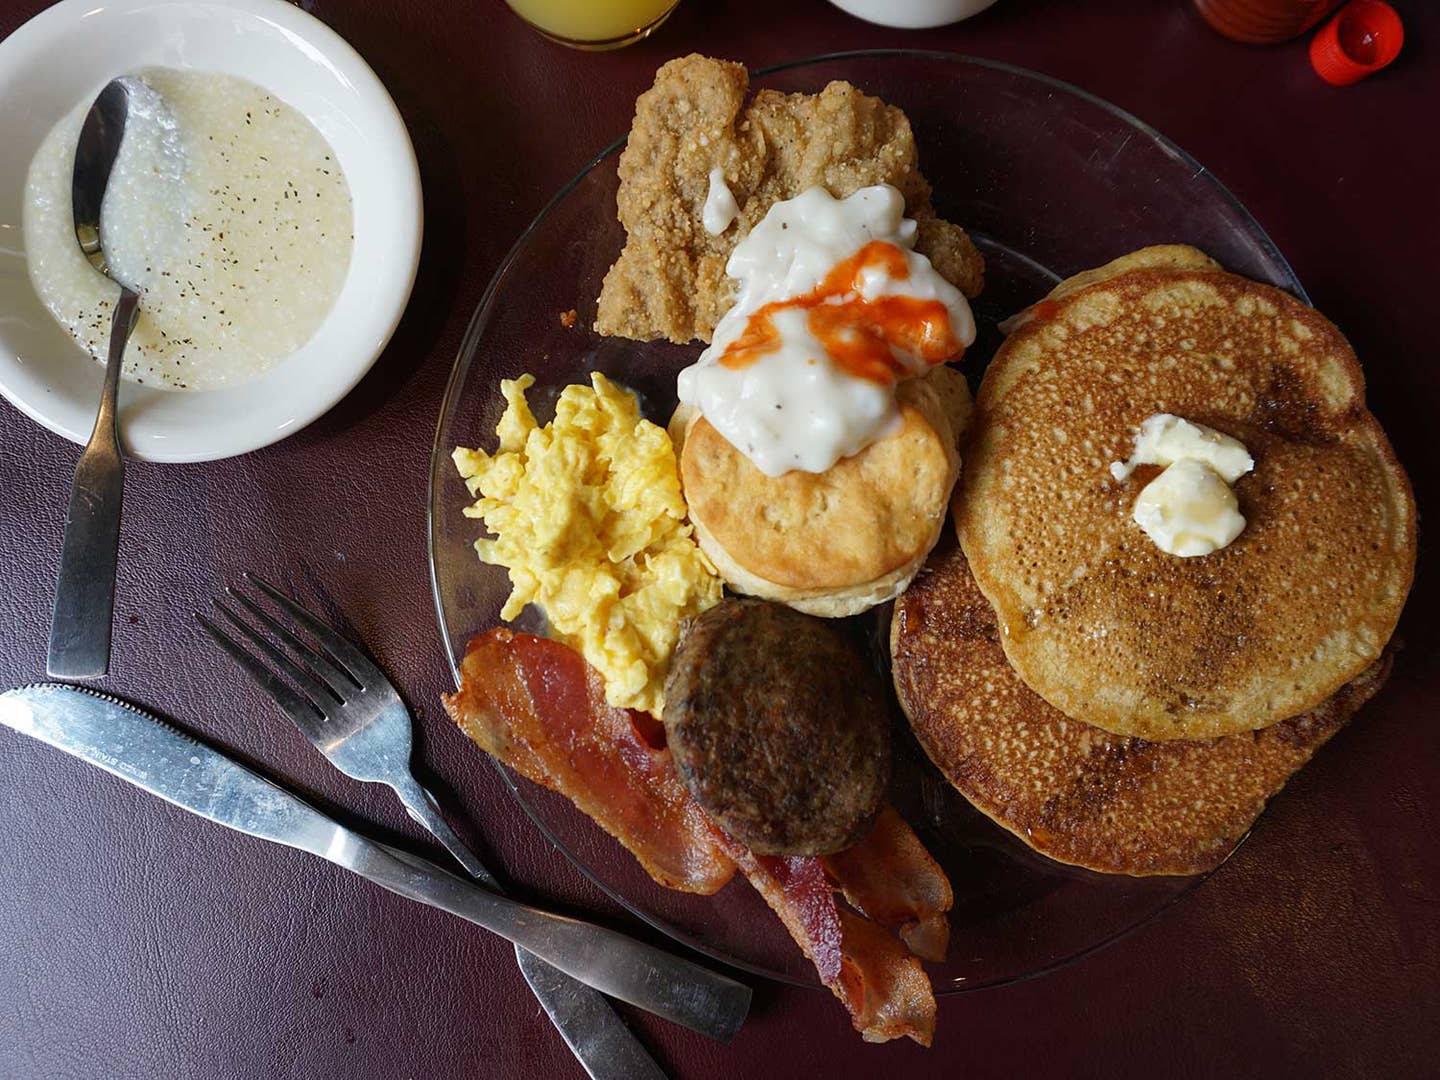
(136, 941)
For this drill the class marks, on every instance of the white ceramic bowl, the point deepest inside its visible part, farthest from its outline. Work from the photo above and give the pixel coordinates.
(913, 14)
(66, 54)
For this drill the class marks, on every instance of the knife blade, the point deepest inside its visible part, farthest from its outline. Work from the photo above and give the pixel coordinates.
(151, 754)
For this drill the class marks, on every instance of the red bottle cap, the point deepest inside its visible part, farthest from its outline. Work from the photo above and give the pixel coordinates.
(1364, 37)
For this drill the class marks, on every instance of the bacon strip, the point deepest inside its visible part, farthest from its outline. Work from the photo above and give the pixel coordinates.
(884, 988)
(538, 707)
(891, 878)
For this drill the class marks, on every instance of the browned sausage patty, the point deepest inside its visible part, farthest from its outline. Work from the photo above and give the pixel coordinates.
(778, 726)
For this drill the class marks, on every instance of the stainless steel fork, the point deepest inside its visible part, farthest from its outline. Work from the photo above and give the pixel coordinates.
(352, 713)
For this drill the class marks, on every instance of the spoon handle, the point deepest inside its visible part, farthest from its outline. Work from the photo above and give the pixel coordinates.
(85, 587)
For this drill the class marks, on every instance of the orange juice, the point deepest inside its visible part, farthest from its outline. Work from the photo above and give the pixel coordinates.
(593, 23)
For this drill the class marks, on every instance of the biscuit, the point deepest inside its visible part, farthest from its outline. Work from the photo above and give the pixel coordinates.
(831, 543)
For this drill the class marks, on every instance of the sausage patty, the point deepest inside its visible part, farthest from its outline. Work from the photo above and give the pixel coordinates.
(778, 727)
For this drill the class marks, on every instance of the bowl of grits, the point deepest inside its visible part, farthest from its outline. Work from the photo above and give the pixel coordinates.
(265, 204)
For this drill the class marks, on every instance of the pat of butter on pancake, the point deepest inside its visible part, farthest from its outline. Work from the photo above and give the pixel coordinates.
(1165, 439)
(1189, 509)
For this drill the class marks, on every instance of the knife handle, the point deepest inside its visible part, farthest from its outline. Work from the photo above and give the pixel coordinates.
(646, 977)
(599, 1039)
(595, 1034)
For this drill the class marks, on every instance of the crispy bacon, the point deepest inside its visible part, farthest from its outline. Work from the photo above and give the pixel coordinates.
(884, 988)
(891, 878)
(797, 890)
(538, 707)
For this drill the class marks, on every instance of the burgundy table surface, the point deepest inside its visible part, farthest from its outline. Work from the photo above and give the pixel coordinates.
(136, 941)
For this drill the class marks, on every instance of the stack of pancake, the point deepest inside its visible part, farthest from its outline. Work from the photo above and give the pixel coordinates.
(1115, 706)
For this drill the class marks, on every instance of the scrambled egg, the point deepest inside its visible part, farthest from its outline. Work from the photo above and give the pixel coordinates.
(589, 520)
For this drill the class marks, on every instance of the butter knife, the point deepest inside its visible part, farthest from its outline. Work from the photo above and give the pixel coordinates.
(144, 750)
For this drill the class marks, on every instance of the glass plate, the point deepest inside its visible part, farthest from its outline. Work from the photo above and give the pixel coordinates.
(1049, 181)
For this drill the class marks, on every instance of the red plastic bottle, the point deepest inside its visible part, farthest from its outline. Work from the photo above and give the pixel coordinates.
(1264, 22)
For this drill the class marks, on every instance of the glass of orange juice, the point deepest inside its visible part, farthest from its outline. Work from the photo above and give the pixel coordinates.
(593, 24)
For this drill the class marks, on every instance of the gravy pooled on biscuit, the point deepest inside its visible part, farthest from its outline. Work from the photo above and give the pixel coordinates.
(834, 308)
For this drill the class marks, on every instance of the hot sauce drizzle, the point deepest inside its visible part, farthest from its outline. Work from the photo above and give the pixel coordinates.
(860, 336)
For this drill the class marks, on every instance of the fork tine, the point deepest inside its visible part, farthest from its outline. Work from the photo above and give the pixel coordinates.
(359, 665)
(322, 697)
(340, 681)
(302, 712)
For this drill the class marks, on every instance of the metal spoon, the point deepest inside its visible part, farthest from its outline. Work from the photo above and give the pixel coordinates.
(85, 587)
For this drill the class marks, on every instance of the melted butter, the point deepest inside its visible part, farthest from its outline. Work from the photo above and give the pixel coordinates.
(1190, 509)
(834, 308)
(1165, 439)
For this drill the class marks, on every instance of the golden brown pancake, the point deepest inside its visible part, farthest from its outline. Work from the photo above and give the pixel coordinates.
(1072, 791)
(1171, 256)
(669, 281)
(831, 543)
(1098, 620)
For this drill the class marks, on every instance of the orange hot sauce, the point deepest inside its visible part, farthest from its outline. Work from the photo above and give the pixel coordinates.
(859, 335)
